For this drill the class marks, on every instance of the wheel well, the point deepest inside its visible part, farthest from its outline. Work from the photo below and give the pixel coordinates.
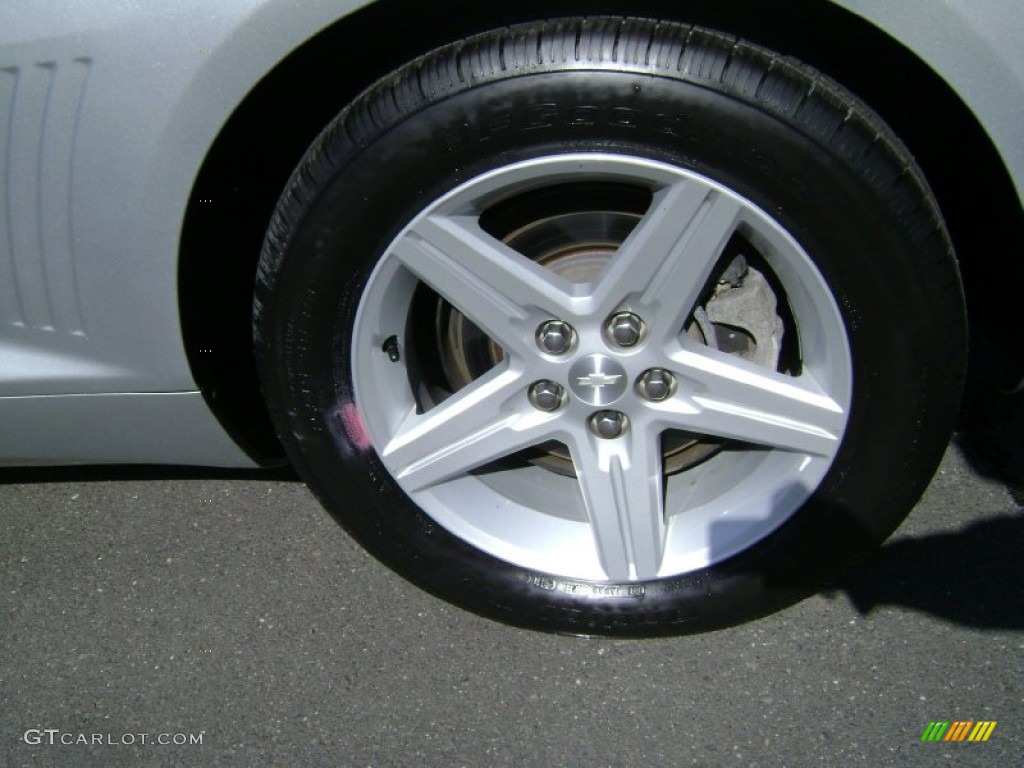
(256, 151)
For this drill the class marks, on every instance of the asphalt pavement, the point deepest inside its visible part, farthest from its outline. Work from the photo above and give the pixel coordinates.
(145, 607)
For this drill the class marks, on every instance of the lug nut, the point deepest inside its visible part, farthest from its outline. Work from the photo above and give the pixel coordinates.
(625, 329)
(608, 424)
(546, 396)
(556, 337)
(656, 384)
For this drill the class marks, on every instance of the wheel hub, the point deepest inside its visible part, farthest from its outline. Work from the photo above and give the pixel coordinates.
(598, 380)
(578, 246)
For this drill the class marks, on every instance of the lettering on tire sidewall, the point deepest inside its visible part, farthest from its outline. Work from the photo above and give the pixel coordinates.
(621, 120)
(583, 589)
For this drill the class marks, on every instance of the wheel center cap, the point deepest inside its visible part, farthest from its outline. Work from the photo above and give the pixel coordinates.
(597, 380)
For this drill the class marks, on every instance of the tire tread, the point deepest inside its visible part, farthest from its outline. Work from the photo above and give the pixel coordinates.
(793, 92)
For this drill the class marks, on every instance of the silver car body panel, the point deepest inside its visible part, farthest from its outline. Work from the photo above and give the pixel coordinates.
(107, 111)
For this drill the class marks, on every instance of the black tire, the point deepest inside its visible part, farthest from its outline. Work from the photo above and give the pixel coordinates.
(776, 132)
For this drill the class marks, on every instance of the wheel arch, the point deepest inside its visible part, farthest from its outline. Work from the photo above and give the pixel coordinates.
(257, 149)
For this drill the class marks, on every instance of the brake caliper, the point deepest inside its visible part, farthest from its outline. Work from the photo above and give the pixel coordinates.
(741, 317)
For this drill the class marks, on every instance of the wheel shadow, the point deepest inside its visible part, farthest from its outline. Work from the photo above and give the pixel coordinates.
(99, 473)
(970, 577)
(990, 431)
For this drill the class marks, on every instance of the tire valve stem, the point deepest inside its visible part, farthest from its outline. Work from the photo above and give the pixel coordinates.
(390, 346)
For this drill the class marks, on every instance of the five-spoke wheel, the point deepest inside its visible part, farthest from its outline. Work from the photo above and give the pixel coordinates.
(591, 352)
(611, 326)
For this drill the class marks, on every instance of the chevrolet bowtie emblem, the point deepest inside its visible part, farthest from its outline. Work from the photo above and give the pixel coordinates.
(598, 380)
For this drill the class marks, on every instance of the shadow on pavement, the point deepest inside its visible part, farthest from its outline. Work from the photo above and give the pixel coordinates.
(970, 577)
(990, 432)
(118, 472)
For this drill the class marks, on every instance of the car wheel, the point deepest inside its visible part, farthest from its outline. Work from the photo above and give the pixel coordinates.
(611, 326)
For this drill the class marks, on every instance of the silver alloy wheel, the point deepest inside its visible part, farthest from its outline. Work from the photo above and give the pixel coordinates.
(621, 518)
